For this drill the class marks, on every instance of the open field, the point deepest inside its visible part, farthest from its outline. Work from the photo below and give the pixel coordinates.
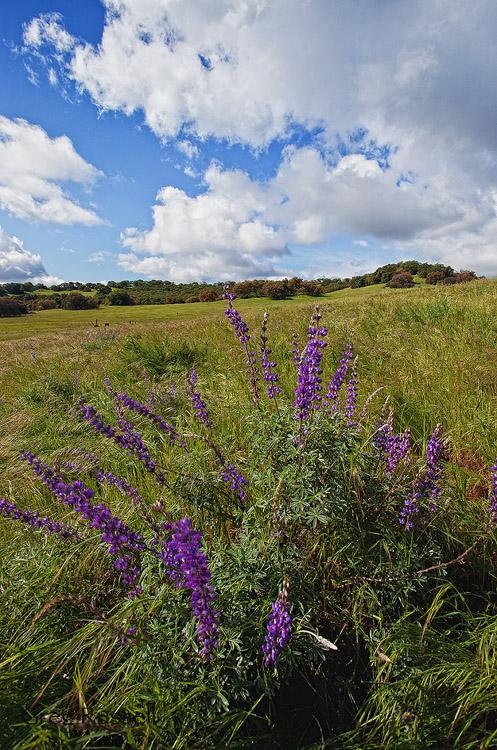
(59, 321)
(412, 612)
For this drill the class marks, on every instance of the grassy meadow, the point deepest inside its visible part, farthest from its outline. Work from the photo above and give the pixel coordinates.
(126, 630)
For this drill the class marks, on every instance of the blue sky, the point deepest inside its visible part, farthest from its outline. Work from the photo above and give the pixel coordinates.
(245, 138)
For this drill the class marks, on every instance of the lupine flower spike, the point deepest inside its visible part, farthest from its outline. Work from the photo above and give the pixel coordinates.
(390, 447)
(188, 568)
(33, 519)
(114, 532)
(335, 384)
(268, 365)
(122, 399)
(198, 403)
(307, 392)
(350, 404)
(426, 484)
(242, 332)
(278, 627)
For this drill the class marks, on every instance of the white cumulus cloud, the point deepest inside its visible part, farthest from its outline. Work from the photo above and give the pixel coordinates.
(417, 79)
(18, 264)
(31, 167)
(239, 227)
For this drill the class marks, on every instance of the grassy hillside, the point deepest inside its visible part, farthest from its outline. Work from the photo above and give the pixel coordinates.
(316, 500)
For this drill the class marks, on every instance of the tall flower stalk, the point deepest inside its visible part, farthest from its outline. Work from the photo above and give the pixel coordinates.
(32, 518)
(242, 332)
(122, 399)
(426, 484)
(198, 402)
(114, 532)
(268, 365)
(351, 400)
(182, 552)
(388, 446)
(127, 438)
(332, 396)
(279, 626)
(308, 389)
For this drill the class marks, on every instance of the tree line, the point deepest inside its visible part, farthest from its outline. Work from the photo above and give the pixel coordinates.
(19, 298)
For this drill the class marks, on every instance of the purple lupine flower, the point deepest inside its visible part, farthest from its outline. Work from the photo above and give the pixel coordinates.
(336, 382)
(198, 403)
(267, 365)
(351, 400)
(278, 627)
(124, 638)
(108, 384)
(32, 353)
(113, 531)
(107, 477)
(382, 432)
(128, 439)
(307, 392)
(75, 380)
(397, 448)
(426, 482)
(122, 399)
(237, 481)
(33, 518)
(189, 569)
(242, 332)
(390, 447)
(435, 455)
(492, 498)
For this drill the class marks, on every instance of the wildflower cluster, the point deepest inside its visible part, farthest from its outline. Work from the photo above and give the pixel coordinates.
(113, 531)
(242, 332)
(198, 403)
(338, 379)
(181, 550)
(388, 446)
(268, 365)
(426, 483)
(128, 439)
(278, 627)
(307, 392)
(188, 568)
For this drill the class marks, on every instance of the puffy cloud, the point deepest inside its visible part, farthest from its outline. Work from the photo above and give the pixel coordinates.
(31, 165)
(239, 228)
(18, 264)
(417, 77)
(245, 71)
(218, 234)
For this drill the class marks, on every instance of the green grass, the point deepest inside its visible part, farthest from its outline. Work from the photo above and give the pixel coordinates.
(415, 628)
(65, 321)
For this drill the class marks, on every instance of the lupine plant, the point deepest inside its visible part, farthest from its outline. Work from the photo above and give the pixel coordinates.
(165, 621)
